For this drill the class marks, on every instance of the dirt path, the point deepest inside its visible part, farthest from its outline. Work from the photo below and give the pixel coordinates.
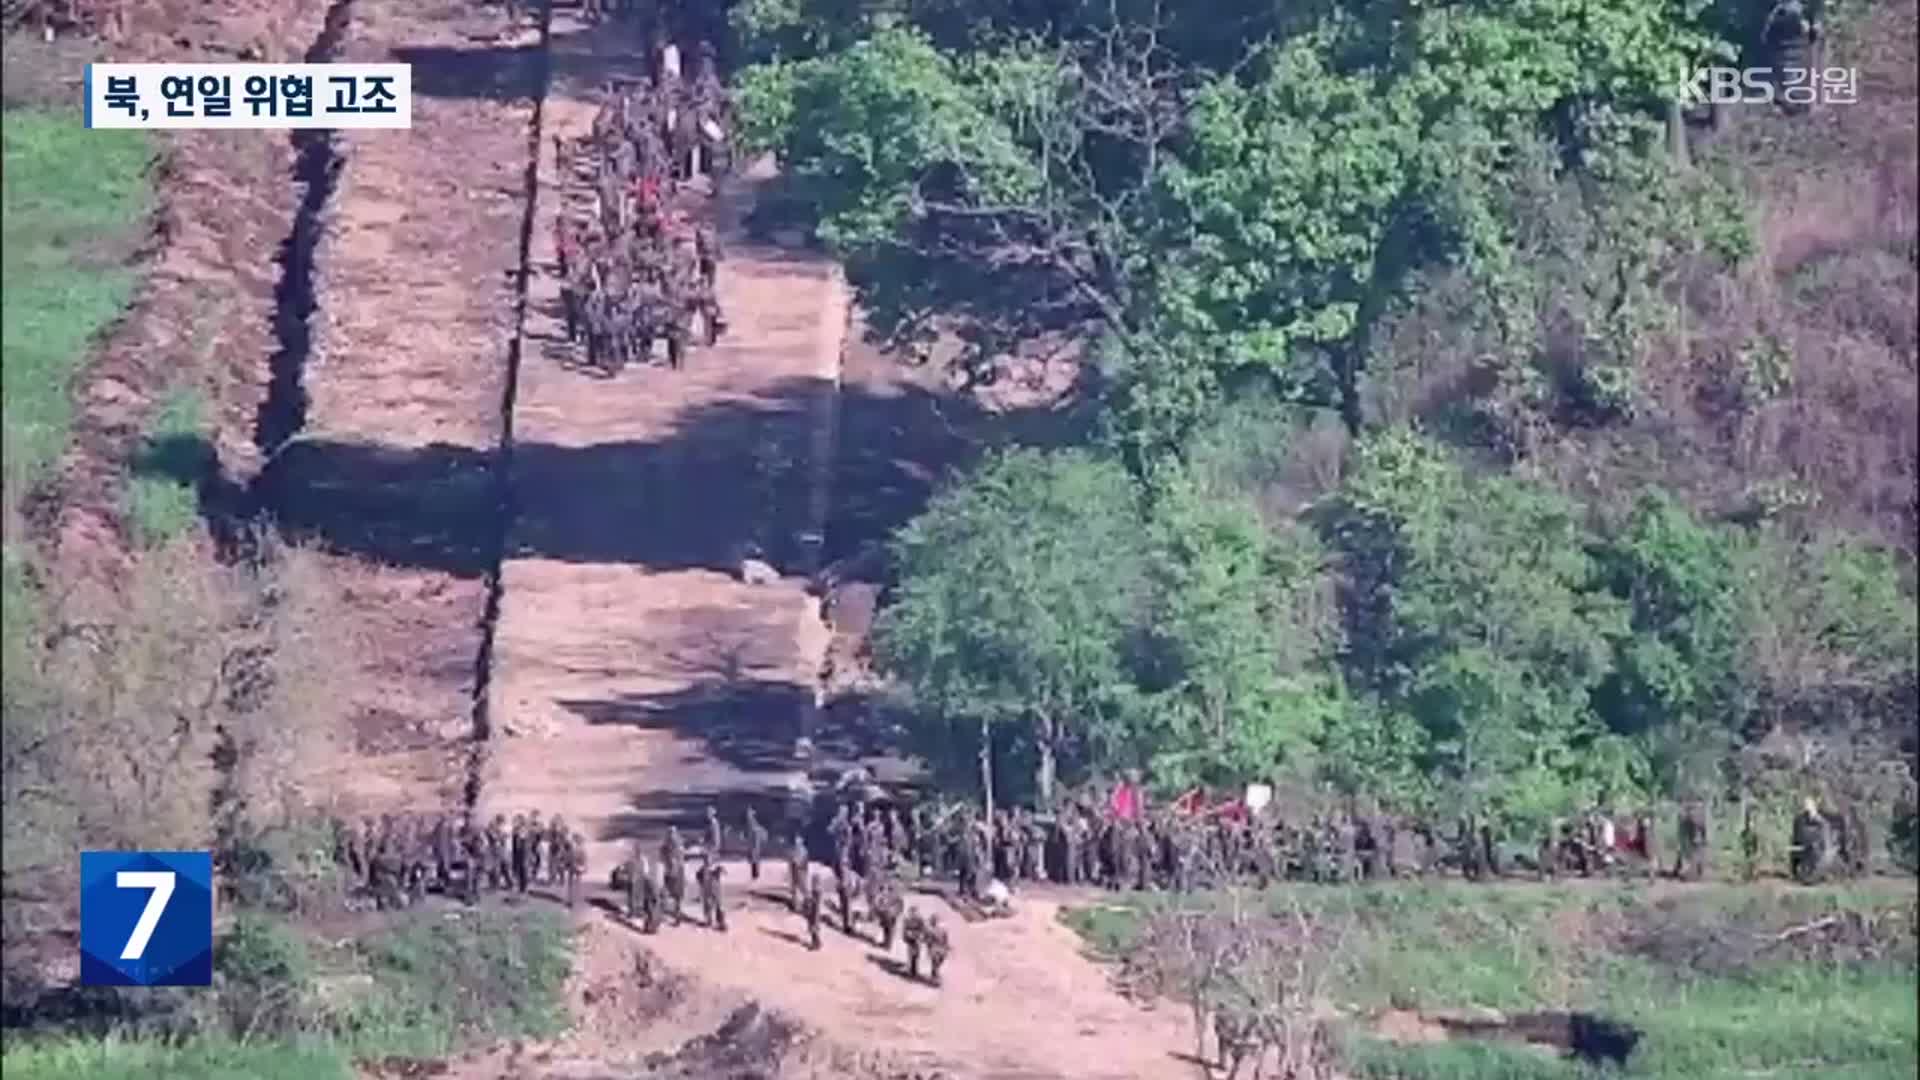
(634, 677)
(403, 388)
(1019, 1001)
(635, 680)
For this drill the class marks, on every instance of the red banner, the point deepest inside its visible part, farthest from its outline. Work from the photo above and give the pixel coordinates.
(1125, 802)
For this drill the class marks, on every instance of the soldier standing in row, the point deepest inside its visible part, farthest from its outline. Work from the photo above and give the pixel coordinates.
(756, 844)
(937, 947)
(537, 842)
(887, 907)
(810, 909)
(711, 909)
(796, 872)
(576, 867)
(475, 843)
(1749, 842)
(846, 884)
(714, 836)
(913, 932)
(1809, 851)
(632, 873)
(521, 855)
(673, 867)
(1692, 863)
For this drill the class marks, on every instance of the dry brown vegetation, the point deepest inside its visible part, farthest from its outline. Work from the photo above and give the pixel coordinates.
(171, 713)
(1783, 386)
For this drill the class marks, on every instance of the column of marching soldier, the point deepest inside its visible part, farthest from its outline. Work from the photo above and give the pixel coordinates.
(656, 888)
(398, 857)
(633, 271)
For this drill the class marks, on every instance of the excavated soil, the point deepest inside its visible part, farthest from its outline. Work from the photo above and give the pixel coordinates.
(393, 469)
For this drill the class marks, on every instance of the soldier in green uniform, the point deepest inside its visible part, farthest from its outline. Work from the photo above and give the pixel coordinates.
(714, 913)
(673, 869)
(1809, 852)
(810, 908)
(796, 872)
(937, 947)
(913, 931)
(1692, 863)
(576, 867)
(635, 871)
(846, 883)
(756, 843)
(887, 907)
(714, 836)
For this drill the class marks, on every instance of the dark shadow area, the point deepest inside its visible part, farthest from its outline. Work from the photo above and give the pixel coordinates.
(1590, 1038)
(435, 507)
(783, 935)
(748, 728)
(481, 72)
(895, 968)
(487, 71)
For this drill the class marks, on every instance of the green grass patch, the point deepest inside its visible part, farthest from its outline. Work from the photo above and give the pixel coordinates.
(1704, 974)
(440, 984)
(422, 984)
(196, 1059)
(162, 496)
(73, 203)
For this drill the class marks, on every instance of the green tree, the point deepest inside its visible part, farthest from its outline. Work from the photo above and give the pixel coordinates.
(1237, 674)
(1020, 591)
(1675, 679)
(1474, 609)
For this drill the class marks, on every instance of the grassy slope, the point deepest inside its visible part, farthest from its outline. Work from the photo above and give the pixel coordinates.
(1682, 966)
(74, 200)
(420, 985)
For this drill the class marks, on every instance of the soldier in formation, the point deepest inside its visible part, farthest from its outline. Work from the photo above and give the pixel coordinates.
(810, 910)
(756, 843)
(673, 872)
(632, 271)
(712, 912)
(797, 875)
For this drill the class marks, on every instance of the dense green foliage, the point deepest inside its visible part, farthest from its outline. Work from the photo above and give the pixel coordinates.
(1454, 228)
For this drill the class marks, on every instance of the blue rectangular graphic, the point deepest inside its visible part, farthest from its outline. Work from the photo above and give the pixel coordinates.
(146, 918)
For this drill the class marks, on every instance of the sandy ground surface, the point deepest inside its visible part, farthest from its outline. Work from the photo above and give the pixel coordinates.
(414, 287)
(634, 677)
(1018, 1000)
(636, 680)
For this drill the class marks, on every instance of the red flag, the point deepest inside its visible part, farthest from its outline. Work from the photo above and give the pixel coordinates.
(1125, 802)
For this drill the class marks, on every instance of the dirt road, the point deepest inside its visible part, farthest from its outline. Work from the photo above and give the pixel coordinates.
(400, 395)
(634, 677)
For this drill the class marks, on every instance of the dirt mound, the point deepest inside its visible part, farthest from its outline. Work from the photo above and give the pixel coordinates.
(750, 1045)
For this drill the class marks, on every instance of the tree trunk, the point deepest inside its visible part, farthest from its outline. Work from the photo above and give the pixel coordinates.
(1677, 137)
(1043, 773)
(986, 766)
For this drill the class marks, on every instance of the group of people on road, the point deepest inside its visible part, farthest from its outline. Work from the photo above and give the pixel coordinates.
(1168, 848)
(634, 266)
(397, 858)
(655, 888)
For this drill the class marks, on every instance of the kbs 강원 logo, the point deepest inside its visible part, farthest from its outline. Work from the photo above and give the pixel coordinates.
(146, 918)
